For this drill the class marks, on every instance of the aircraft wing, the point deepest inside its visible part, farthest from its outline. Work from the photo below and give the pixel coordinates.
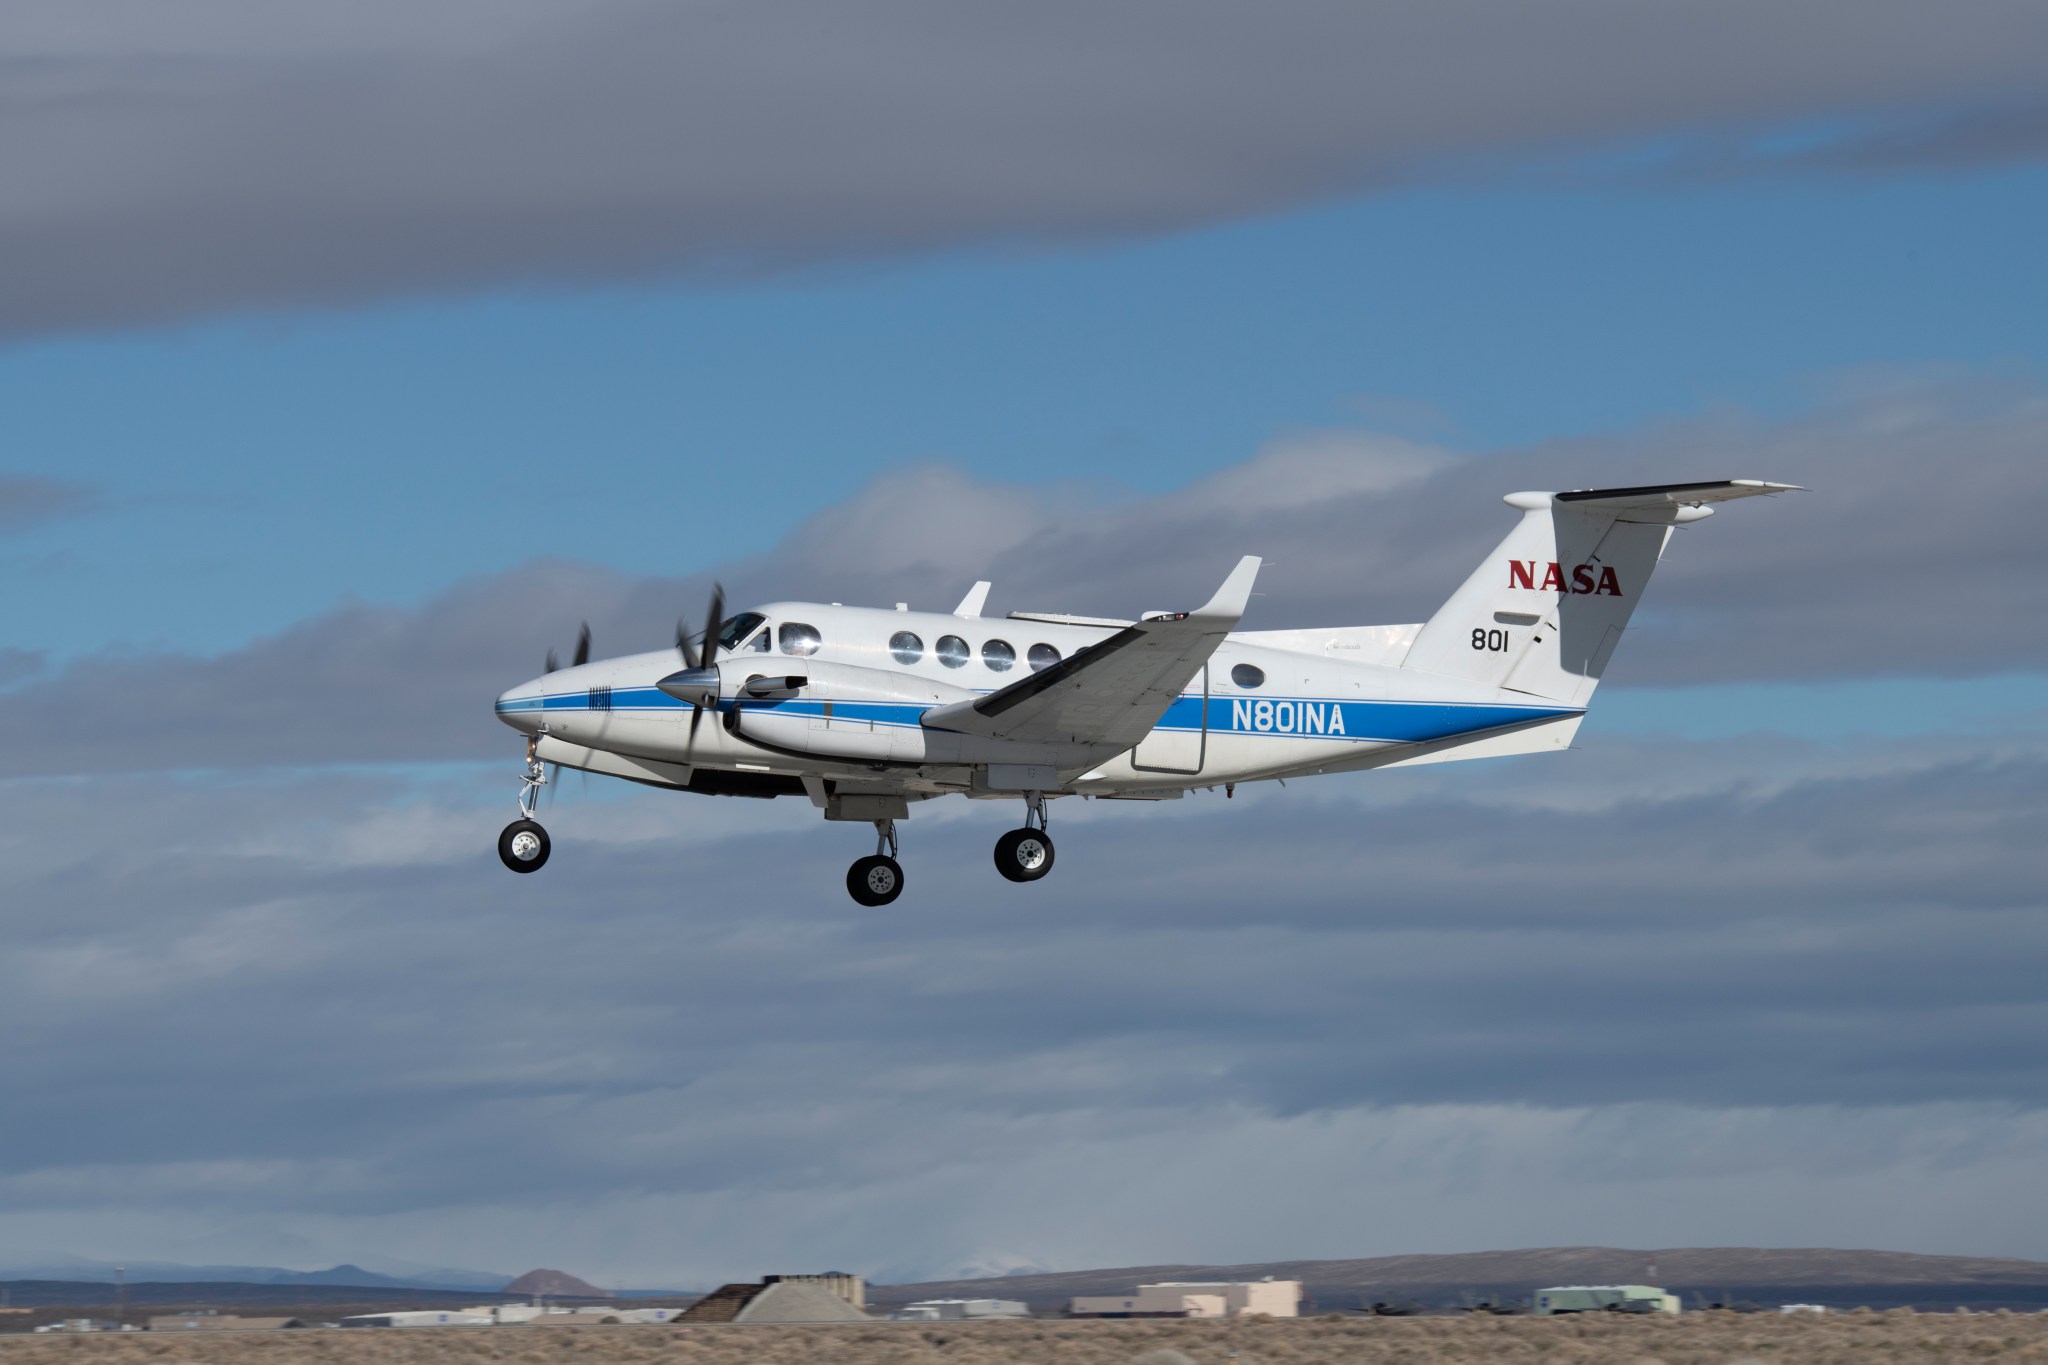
(1114, 691)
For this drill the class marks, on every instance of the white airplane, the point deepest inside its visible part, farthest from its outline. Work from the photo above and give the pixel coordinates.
(867, 711)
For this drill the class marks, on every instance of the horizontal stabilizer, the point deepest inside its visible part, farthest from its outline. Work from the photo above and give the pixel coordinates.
(1662, 495)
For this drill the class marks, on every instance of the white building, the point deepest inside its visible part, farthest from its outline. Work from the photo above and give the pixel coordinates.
(946, 1310)
(422, 1317)
(1195, 1299)
(1603, 1298)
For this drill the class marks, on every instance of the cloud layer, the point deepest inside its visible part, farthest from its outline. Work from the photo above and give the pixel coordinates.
(1750, 998)
(265, 973)
(168, 162)
(1914, 556)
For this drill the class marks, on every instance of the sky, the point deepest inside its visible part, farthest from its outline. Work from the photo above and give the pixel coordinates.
(350, 357)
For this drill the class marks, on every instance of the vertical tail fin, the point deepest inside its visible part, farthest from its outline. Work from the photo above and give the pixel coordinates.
(1543, 612)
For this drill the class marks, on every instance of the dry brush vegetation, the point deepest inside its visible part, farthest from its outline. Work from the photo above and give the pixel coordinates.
(1695, 1339)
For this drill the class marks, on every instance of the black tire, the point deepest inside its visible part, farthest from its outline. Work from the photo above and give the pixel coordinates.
(875, 880)
(1024, 855)
(523, 846)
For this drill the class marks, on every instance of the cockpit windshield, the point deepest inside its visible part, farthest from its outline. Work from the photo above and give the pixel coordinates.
(738, 628)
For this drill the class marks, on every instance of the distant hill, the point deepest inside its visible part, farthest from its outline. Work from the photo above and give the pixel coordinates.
(555, 1284)
(226, 1293)
(1443, 1277)
(79, 1270)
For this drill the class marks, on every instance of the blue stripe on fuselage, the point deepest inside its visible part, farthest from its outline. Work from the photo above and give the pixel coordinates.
(1398, 722)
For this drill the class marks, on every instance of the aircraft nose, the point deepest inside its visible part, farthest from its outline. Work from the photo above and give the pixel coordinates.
(521, 707)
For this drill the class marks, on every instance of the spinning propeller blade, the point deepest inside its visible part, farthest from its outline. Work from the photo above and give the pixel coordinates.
(582, 647)
(714, 619)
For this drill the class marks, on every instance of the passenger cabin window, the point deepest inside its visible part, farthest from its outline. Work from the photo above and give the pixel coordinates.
(905, 647)
(738, 628)
(998, 655)
(1248, 676)
(799, 639)
(1042, 657)
(953, 651)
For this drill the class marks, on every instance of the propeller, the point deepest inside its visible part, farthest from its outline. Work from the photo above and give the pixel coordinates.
(697, 682)
(582, 651)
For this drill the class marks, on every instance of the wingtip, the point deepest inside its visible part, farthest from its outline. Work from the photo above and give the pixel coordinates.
(1236, 593)
(977, 598)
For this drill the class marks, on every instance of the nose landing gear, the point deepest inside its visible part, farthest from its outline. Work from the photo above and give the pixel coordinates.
(523, 844)
(1025, 855)
(877, 879)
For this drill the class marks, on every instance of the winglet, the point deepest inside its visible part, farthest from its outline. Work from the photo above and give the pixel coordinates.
(1236, 593)
(970, 605)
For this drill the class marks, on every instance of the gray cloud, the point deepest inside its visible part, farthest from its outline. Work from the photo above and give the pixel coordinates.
(227, 154)
(1975, 137)
(318, 1001)
(27, 501)
(1916, 554)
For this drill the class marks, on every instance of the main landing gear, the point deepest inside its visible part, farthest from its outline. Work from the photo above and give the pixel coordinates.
(877, 879)
(1025, 855)
(523, 844)
(1022, 855)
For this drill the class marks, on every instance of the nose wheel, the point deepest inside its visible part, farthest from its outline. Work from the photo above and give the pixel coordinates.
(1025, 855)
(523, 846)
(878, 878)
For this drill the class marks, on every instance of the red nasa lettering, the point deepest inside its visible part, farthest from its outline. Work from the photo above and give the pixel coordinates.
(1522, 574)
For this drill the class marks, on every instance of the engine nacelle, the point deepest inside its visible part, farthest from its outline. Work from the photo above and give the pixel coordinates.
(870, 715)
(841, 711)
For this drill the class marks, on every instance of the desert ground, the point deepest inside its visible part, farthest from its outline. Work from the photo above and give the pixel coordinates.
(1860, 1338)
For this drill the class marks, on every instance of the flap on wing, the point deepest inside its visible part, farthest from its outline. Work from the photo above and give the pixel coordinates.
(1114, 691)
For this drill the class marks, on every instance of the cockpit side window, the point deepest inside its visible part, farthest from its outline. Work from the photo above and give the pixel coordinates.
(738, 628)
(797, 638)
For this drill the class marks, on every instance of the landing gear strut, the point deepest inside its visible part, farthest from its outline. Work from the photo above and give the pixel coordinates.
(523, 844)
(878, 879)
(1025, 855)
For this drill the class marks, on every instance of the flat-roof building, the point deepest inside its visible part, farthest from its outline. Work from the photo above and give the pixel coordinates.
(950, 1310)
(783, 1298)
(1604, 1298)
(422, 1317)
(219, 1322)
(1195, 1299)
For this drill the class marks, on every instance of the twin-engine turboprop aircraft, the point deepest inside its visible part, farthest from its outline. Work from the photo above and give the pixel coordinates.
(867, 711)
